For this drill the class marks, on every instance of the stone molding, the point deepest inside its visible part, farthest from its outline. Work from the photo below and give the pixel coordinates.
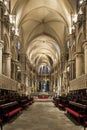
(1, 44)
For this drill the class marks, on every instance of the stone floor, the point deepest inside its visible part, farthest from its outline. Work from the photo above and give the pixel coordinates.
(42, 116)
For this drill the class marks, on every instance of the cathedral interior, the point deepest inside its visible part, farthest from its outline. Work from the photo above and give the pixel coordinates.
(43, 64)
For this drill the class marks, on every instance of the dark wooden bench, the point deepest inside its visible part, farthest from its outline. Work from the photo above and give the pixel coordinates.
(1, 124)
(26, 102)
(62, 102)
(79, 105)
(85, 124)
(76, 114)
(56, 101)
(9, 109)
(2, 101)
(31, 100)
(77, 110)
(23, 103)
(60, 105)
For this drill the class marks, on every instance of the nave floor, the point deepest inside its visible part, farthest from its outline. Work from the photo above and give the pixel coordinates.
(42, 116)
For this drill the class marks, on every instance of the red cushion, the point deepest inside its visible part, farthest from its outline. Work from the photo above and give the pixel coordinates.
(60, 105)
(73, 112)
(85, 122)
(43, 96)
(13, 112)
(30, 102)
(0, 120)
(26, 104)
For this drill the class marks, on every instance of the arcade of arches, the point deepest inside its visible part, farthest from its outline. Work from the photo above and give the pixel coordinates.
(43, 46)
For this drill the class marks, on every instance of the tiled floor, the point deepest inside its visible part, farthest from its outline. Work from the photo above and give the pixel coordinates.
(42, 116)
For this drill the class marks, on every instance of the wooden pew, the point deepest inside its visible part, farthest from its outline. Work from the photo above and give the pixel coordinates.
(1, 124)
(85, 122)
(2, 101)
(85, 125)
(1, 119)
(62, 102)
(76, 109)
(79, 105)
(9, 109)
(25, 102)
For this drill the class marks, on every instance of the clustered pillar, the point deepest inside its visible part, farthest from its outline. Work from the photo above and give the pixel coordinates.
(1, 46)
(79, 64)
(85, 56)
(8, 65)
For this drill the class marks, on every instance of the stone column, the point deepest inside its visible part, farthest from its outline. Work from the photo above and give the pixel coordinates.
(14, 69)
(1, 46)
(1, 20)
(85, 56)
(72, 70)
(27, 85)
(8, 65)
(22, 76)
(27, 81)
(57, 85)
(79, 64)
(23, 61)
(60, 84)
(86, 19)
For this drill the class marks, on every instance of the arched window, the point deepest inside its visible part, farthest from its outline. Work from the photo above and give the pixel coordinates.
(44, 70)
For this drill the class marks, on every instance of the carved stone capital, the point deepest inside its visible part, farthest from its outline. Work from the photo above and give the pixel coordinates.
(1, 44)
(71, 61)
(8, 55)
(78, 54)
(85, 44)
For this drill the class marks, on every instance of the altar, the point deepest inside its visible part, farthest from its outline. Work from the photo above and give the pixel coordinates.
(43, 95)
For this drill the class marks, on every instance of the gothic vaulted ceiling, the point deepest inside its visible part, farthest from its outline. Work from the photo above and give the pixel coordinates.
(43, 25)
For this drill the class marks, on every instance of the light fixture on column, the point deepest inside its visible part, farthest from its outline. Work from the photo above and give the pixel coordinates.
(80, 2)
(12, 19)
(74, 18)
(14, 29)
(18, 69)
(12, 22)
(70, 30)
(73, 21)
(80, 12)
(68, 68)
(6, 3)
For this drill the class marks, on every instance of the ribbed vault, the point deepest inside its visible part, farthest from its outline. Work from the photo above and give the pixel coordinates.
(43, 25)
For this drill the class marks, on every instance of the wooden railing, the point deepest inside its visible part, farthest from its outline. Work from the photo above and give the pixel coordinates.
(78, 105)
(79, 83)
(7, 83)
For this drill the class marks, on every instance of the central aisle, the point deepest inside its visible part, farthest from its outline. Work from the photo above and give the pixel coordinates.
(42, 116)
